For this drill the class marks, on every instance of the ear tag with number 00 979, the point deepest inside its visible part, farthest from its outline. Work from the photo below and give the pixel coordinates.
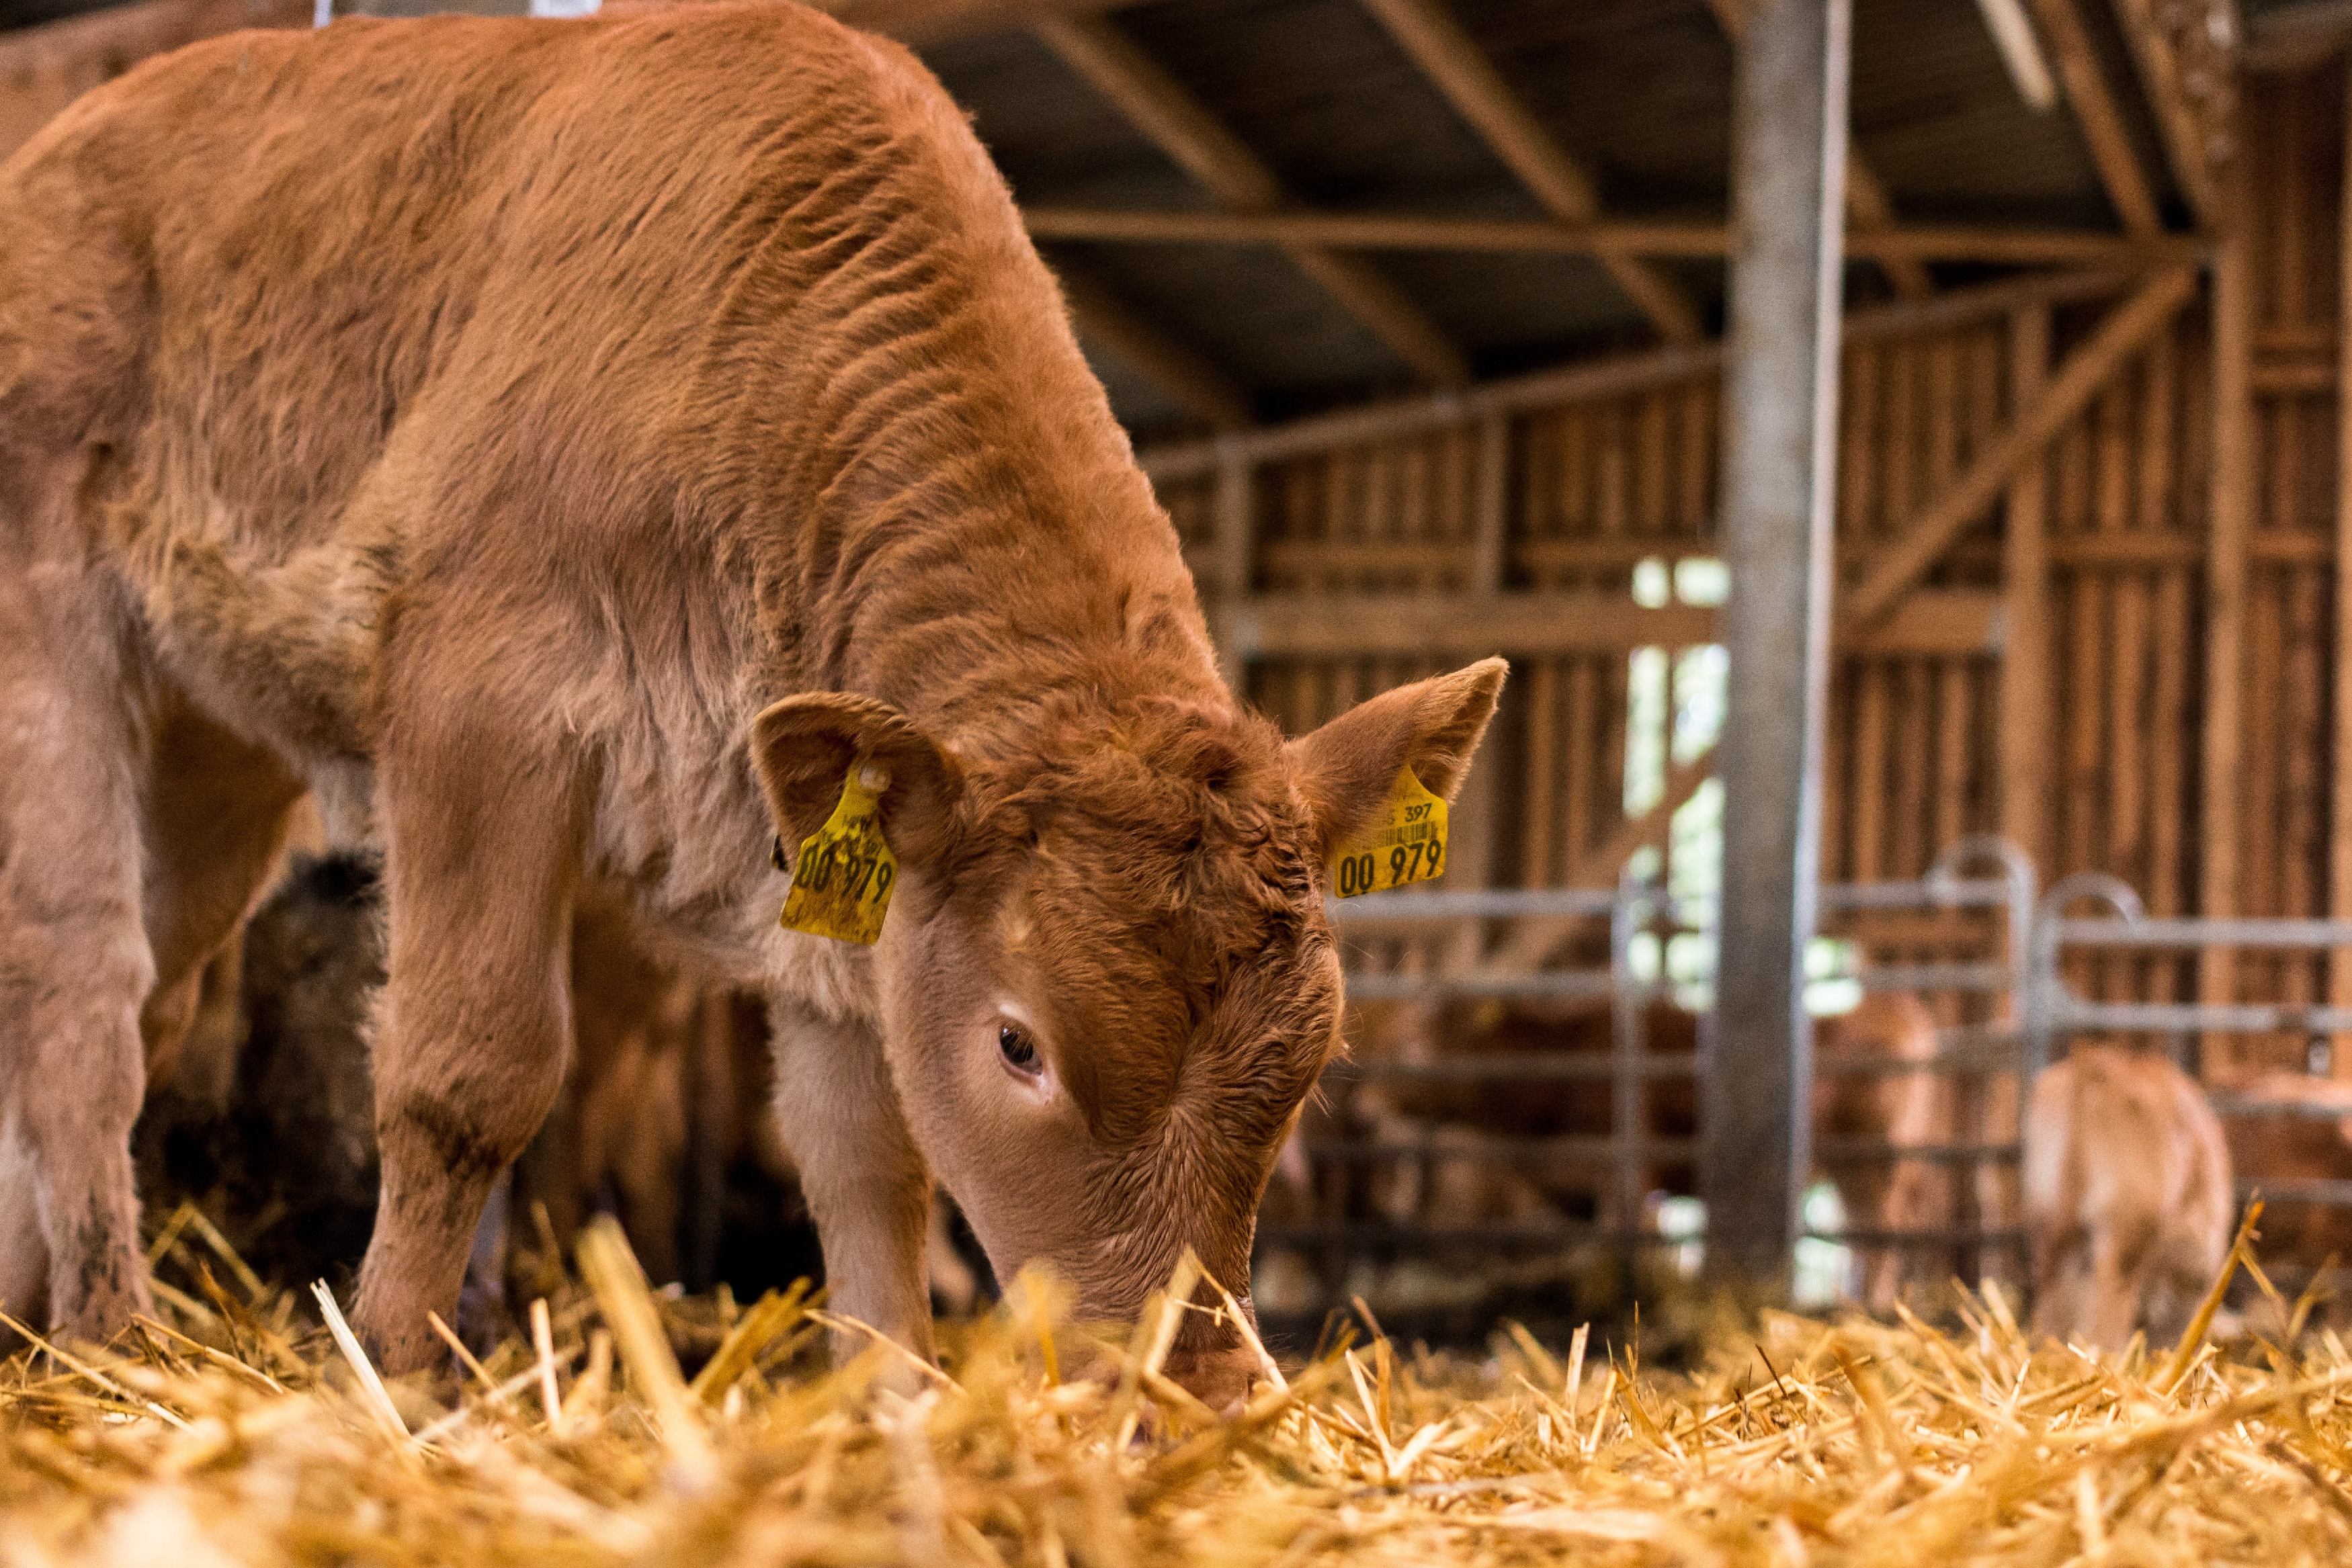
(1405, 843)
(841, 884)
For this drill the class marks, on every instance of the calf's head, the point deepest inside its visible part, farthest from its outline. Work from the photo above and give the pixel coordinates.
(1107, 979)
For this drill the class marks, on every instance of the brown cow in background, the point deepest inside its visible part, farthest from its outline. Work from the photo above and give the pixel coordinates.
(2292, 1145)
(2128, 1197)
(1906, 1108)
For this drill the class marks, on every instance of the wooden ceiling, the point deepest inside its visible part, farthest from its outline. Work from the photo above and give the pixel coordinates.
(1265, 207)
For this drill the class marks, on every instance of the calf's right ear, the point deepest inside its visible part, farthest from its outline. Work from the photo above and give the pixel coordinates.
(1347, 767)
(805, 746)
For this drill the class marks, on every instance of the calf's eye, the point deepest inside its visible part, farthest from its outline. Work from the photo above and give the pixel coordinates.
(1020, 1052)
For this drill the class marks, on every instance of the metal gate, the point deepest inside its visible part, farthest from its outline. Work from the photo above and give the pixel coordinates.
(1631, 1150)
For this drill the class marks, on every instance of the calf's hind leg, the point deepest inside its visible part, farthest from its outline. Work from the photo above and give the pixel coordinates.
(474, 1020)
(74, 961)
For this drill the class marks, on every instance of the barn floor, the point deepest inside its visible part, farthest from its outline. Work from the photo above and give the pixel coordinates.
(240, 1432)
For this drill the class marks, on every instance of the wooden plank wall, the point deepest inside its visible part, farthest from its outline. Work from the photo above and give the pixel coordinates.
(2124, 495)
(2297, 128)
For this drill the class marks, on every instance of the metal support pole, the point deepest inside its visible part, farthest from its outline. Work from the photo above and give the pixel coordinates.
(1629, 1003)
(1789, 147)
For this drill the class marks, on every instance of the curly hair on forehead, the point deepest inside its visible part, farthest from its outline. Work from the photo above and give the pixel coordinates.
(1176, 806)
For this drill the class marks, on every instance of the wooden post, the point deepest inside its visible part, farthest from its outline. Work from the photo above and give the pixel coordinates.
(1478, 808)
(1233, 540)
(2339, 822)
(1779, 433)
(2225, 600)
(2027, 712)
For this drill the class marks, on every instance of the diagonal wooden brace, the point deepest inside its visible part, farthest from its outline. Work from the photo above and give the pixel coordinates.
(2080, 379)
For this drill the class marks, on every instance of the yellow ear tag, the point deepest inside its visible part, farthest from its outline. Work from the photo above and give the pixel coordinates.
(1405, 843)
(841, 884)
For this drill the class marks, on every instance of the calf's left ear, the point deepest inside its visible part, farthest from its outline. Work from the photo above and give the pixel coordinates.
(1347, 767)
(805, 746)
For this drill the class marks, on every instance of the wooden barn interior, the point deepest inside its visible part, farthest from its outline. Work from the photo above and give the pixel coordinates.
(1415, 310)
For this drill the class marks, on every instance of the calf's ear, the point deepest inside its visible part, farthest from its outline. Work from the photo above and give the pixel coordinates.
(1347, 767)
(805, 746)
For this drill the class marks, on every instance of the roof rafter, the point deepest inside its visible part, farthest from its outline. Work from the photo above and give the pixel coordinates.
(2096, 112)
(1159, 107)
(1867, 204)
(1459, 69)
(1311, 228)
(936, 21)
(2176, 119)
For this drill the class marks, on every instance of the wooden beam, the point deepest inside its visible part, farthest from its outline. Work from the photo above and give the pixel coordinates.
(2339, 822)
(1234, 540)
(2232, 504)
(1867, 204)
(2176, 120)
(2086, 369)
(1551, 623)
(2027, 705)
(1393, 230)
(2021, 52)
(1319, 625)
(1451, 60)
(936, 21)
(2102, 123)
(1182, 127)
(1614, 376)
(1190, 381)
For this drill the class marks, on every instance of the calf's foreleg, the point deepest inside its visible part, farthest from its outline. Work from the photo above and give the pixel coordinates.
(865, 1181)
(474, 1020)
(75, 966)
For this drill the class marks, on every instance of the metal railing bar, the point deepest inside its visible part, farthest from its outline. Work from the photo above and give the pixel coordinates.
(1349, 1233)
(2333, 1194)
(2194, 932)
(1922, 1240)
(1479, 904)
(1931, 976)
(1872, 1151)
(2069, 1014)
(1510, 1069)
(1575, 985)
(1988, 892)
(1492, 1150)
(1966, 1059)
(2304, 1110)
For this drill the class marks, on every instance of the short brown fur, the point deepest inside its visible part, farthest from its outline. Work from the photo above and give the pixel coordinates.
(483, 421)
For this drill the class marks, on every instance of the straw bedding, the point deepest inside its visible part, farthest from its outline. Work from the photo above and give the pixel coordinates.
(231, 1432)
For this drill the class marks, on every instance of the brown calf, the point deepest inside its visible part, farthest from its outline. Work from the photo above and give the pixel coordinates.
(574, 448)
(2289, 1145)
(1901, 1108)
(2128, 1197)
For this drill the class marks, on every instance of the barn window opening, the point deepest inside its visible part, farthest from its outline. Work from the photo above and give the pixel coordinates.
(1823, 1267)
(1674, 708)
(1675, 701)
